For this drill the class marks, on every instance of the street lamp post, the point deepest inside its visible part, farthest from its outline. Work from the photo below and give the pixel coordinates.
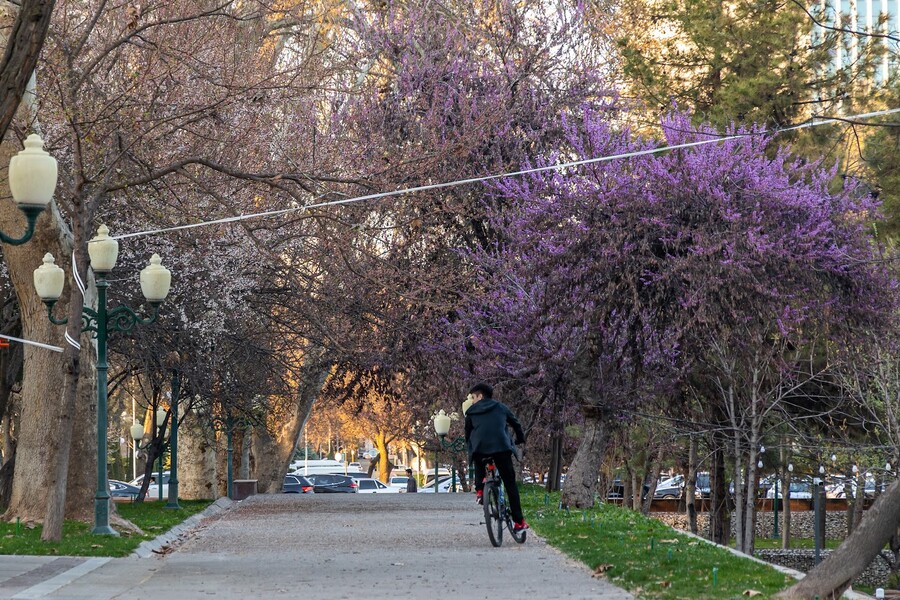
(32, 180)
(155, 282)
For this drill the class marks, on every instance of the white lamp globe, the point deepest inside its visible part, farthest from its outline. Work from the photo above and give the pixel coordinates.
(137, 432)
(155, 280)
(441, 423)
(103, 251)
(49, 279)
(160, 417)
(32, 174)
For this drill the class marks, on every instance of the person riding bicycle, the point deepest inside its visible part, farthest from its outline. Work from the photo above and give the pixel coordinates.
(487, 437)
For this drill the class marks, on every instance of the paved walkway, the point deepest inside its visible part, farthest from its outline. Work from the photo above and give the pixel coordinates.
(328, 546)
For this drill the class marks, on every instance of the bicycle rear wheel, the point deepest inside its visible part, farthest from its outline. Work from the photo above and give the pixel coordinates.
(492, 517)
(519, 536)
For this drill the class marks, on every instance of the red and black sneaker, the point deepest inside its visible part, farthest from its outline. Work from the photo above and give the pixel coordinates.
(520, 526)
(479, 496)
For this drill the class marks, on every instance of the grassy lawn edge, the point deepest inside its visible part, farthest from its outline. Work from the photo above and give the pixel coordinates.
(645, 556)
(152, 517)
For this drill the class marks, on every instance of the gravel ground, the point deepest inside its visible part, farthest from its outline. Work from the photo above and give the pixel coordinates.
(334, 546)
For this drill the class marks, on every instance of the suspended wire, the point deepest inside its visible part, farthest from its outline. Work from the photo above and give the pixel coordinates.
(814, 122)
(31, 342)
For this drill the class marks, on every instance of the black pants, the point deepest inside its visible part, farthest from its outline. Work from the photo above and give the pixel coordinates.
(504, 464)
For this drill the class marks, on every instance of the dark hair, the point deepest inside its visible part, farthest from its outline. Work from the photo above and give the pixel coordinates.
(408, 470)
(485, 390)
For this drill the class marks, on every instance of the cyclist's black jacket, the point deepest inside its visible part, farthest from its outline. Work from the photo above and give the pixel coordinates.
(486, 431)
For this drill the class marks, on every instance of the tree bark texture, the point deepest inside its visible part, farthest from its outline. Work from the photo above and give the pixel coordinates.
(272, 451)
(196, 461)
(23, 48)
(581, 480)
(833, 575)
(43, 379)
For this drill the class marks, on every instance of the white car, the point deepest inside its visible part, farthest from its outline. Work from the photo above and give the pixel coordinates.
(153, 488)
(373, 486)
(398, 482)
(444, 486)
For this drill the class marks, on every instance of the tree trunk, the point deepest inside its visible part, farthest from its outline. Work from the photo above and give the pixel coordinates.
(272, 453)
(833, 575)
(384, 463)
(654, 479)
(581, 481)
(859, 499)
(786, 507)
(197, 475)
(43, 378)
(719, 509)
(690, 485)
(555, 475)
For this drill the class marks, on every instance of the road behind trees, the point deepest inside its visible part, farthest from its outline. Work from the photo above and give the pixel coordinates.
(344, 546)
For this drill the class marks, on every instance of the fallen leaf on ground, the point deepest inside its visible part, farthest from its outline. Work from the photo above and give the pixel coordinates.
(752, 593)
(665, 584)
(601, 569)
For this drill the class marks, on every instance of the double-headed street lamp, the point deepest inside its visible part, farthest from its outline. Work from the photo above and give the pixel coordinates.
(32, 180)
(155, 282)
(442, 428)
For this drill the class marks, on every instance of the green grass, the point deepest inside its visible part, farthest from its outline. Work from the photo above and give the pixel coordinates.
(796, 544)
(77, 539)
(643, 555)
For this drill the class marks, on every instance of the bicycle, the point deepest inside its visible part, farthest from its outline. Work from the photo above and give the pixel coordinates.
(496, 510)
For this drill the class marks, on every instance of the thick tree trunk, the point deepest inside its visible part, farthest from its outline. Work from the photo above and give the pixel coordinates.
(272, 452)
(581, 481)
(43, 378)
(384, 463)
(833, 575)
(196, 461)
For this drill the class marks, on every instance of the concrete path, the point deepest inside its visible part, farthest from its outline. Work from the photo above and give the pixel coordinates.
(328, 546)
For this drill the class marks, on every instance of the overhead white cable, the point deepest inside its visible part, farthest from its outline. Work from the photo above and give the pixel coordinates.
(436, 186)
(38, 344)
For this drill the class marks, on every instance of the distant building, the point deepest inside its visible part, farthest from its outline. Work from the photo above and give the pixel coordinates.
(869, 18)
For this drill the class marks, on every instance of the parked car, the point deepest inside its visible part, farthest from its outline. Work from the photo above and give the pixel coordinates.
(296, 484)
(838, 489)
(153, 489)
(673, 487)
(373, 486)
(331, 484)
(444, 486)
(398, 482)
(120, 491)
(801, 489)
(354, 466)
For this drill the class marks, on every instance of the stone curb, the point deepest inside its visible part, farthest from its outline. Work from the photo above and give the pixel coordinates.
(152, 547)
(786, 570)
